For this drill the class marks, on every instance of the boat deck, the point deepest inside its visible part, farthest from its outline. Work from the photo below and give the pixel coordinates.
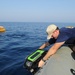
(61, 63)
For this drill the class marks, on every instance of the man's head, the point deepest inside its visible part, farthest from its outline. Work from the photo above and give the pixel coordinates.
(52, 31)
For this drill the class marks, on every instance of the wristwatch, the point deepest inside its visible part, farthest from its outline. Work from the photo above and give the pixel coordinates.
(43, 60)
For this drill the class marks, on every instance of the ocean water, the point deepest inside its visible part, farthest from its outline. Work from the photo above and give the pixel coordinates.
(19, 40)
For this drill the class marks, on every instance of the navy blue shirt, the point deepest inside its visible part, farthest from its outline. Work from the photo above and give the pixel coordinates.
(65, 35)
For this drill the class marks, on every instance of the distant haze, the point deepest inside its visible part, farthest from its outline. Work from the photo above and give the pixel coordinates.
(37, 10)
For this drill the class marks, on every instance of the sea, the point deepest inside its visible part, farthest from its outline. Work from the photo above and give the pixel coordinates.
(18, 41)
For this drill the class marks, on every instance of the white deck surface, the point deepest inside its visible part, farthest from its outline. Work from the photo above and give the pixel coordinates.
(61, 63)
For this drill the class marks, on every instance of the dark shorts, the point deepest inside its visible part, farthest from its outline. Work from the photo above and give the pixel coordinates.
(72, 47)
(71, 43)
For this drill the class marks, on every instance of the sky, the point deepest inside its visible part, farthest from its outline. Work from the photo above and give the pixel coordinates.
(37, 11)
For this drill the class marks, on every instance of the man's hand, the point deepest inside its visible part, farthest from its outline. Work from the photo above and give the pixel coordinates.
(41, 63)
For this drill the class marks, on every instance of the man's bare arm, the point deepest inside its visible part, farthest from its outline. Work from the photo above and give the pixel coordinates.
(53, 50)
(44, 45)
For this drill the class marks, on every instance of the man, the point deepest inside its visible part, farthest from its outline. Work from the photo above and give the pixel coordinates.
(57, 37)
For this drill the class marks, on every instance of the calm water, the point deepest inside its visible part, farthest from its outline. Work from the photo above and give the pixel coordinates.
(19, 40)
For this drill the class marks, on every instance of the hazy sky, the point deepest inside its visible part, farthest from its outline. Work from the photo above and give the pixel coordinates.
(37, 10)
